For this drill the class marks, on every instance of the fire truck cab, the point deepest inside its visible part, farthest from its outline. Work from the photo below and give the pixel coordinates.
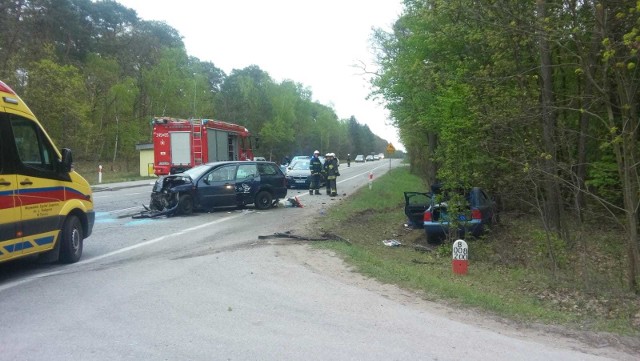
(180, 144)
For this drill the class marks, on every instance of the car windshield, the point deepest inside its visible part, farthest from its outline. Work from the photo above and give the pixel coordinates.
(196, 172)
(300, 165)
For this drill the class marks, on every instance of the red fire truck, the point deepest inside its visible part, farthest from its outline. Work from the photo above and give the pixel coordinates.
(179, 144)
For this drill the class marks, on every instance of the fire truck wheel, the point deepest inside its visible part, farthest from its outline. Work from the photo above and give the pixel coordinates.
(263, 200)
(185, 205)
(71, 240)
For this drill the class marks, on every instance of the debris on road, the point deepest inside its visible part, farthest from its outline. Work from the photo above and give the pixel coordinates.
(392, 243)
(289, 235)
(291, 202)
(152, 213)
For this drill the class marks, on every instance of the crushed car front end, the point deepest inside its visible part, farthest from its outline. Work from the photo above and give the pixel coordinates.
(166, 192)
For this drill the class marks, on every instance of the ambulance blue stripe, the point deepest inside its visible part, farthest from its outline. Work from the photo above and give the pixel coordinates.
(6, 193)
(26, 245)
(72, 190)
(44, 240)
(22, 245)
(38, 190)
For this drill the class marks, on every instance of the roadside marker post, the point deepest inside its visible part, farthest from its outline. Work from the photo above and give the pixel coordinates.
(370, 179)
(460, 262)
(100, 173)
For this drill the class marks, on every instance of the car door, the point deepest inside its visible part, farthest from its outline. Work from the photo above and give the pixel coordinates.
(41, 187)
(272, 179)
(9, 210)
(485, 204)
(247, 183)
(217, 188)
(415, 204)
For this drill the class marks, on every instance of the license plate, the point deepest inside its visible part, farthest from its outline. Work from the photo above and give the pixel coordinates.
(300, 180)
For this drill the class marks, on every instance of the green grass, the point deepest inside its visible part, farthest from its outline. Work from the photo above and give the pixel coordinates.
(111, 173)
(509, 272)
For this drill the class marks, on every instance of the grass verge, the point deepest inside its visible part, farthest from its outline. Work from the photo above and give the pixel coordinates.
(509, 275)
(111, 172)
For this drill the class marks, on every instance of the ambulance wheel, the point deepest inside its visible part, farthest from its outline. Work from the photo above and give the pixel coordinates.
(71, 240)
(185, 205)
(264, 200)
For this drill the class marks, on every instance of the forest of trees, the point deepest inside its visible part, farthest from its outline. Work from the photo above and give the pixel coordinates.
(535, 100)
(95, 74)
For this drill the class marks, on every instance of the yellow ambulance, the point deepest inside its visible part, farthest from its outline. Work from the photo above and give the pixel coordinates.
(46, 208)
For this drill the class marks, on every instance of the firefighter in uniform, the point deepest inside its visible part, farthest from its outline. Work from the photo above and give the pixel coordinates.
(315, 165)
(331, 173)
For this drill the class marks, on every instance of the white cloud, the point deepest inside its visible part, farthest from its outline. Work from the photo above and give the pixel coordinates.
(316, 43)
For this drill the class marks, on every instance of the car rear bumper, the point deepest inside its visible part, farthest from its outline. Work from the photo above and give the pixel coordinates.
(298, 182)
(441, 229)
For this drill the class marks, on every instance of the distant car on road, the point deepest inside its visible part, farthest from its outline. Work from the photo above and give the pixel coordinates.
(219, 185)
(298, 157)
(299, 175)
(359, 158)
(369, 158)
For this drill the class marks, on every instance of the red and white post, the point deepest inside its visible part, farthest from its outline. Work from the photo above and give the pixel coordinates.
(460, 262)
(100, 173)
(370, 179)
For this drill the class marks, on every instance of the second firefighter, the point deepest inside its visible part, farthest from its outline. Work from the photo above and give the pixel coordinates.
(331, 172)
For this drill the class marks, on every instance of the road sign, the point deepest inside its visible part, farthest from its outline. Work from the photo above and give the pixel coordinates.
(390, 148)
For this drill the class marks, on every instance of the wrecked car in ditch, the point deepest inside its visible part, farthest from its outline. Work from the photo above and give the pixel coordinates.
(450, 212)
(219, 185)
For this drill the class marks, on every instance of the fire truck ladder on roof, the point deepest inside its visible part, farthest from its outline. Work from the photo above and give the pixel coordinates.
(196, 140)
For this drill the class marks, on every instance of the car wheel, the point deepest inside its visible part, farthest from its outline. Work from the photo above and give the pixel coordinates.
(263, 200)
(185, 204)
(71, 240)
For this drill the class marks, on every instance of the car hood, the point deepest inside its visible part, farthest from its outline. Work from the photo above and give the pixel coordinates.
(298, 172)
(172, 181)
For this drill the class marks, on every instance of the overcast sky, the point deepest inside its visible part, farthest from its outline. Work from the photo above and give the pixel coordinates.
(316, 43)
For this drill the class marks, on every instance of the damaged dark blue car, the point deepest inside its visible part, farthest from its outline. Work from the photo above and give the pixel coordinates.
(219, 185)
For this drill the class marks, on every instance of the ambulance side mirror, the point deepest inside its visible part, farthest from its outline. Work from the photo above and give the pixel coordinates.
(67, 160)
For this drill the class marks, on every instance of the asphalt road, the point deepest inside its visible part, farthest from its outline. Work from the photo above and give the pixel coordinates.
(204, 287)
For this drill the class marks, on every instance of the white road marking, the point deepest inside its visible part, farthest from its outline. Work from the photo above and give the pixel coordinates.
(113, 253)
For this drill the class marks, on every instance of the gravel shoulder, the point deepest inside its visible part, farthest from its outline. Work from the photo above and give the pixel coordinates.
(330, 264)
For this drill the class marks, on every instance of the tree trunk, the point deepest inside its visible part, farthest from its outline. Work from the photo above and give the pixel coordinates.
(115, 146)
(627, 160)
(552, 190)
(624, 143)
